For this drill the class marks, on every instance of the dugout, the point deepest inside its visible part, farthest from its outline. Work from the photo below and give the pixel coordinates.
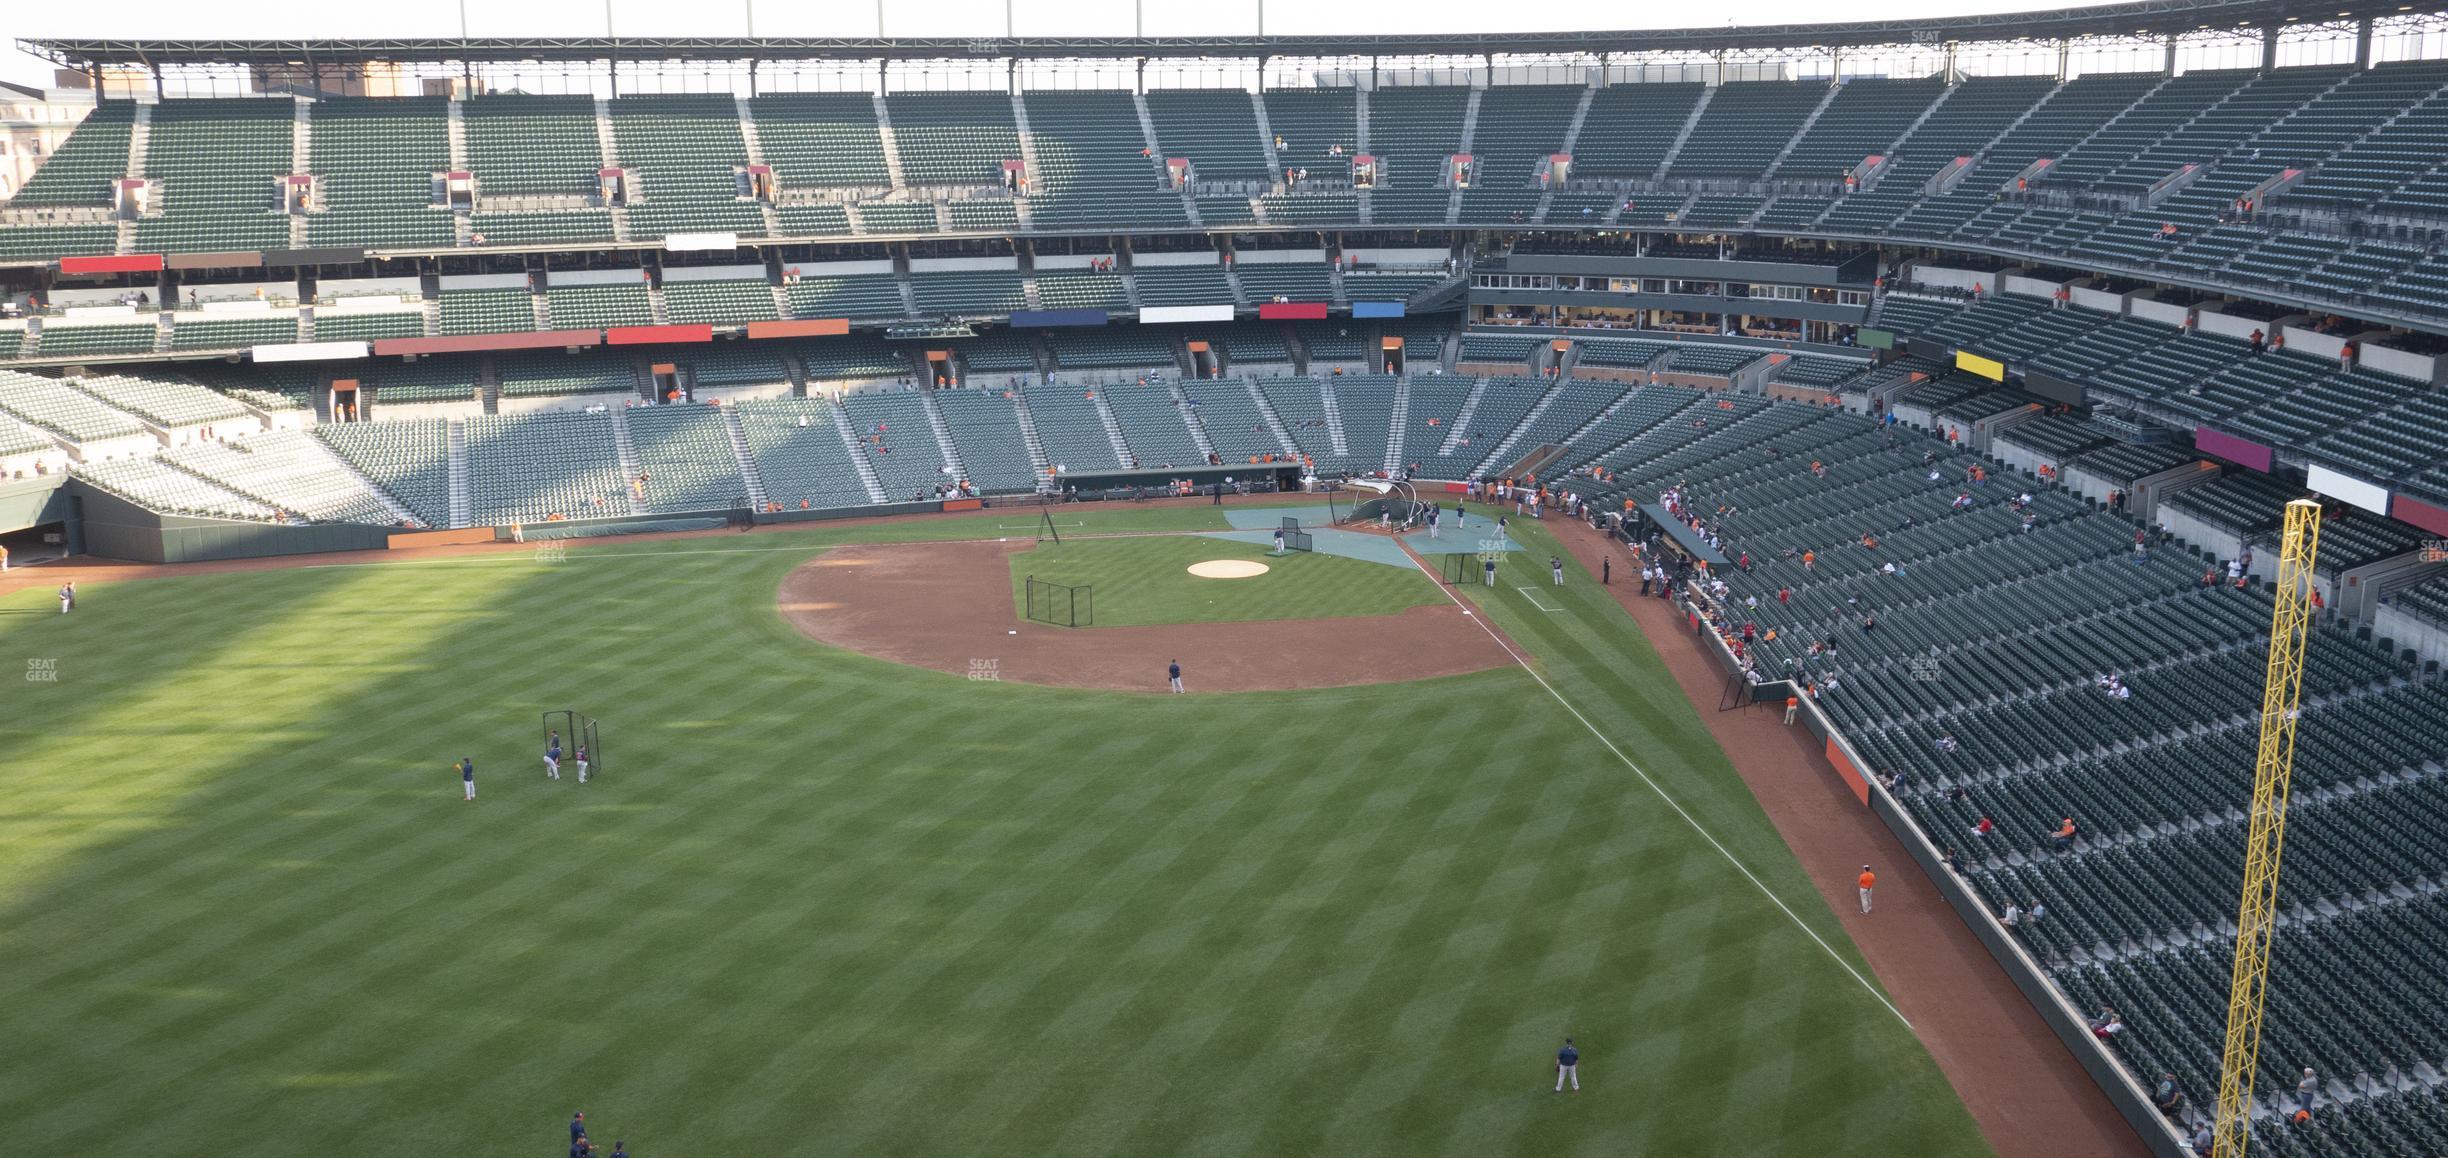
(1678, 539)
(1157, 482)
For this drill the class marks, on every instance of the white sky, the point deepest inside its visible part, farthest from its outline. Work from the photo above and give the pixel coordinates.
(258, 19)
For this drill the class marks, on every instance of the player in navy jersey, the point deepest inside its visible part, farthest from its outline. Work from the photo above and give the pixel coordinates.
(552, 756)
(582, 764)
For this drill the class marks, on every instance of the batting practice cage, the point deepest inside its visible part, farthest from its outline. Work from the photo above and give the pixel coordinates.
(1061, 604)
(1376, 499)
(577, 729)
(1295, 539)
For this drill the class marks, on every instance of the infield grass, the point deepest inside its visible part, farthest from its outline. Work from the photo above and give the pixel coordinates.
(819, 904)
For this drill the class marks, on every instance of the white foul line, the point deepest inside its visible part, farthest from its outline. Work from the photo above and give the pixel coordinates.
(1531, 594)
(1637, 770)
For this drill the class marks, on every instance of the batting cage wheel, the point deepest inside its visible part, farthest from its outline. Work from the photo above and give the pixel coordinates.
(578, 730)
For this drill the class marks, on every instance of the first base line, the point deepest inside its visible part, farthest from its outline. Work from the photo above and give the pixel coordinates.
(1531, 594)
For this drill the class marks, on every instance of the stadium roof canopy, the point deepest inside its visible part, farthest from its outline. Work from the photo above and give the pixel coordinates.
(2142, 18)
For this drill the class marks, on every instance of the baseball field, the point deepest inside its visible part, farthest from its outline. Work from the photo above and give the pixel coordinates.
(820, 902)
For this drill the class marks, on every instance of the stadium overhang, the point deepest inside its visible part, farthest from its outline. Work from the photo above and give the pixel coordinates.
(2142, 18)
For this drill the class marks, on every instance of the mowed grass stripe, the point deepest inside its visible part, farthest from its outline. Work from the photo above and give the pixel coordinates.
(821, 897)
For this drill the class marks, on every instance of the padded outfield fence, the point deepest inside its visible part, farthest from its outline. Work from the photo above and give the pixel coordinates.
(1061, 604)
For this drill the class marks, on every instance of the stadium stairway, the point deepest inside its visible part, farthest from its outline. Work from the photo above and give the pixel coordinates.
(858, 454)
(757, 498)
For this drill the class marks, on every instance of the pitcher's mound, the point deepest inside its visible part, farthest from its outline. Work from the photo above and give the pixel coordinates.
(1228, 569)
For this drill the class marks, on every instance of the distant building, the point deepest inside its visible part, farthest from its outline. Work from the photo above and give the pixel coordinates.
(33, 123)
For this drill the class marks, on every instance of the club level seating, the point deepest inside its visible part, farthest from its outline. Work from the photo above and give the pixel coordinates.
(206, 332)
(850, 357)
(550, 375)
(998, 353)
(970, 292)
(59, 340)
(486, 311)
(1216, 210)
(897, 216)
(367, 327)
(564, 226)
(1419, 204)
(1067, 289)
(815, 220)
(750, 367)
(1298, 208)
(985, 427)
(1612, 353)
(799, 454)
(1389, 285)
(286, 469)
(1182, 285)
(1255, 342)
(1713, 359)
(718, 302)
(588, 307)
(1300, 281)
(855, 296)
(987, 213)
(1332, 341)
(898, 441)
(1131, 348)
(684, 451)
(529, 468)
(1817, 371)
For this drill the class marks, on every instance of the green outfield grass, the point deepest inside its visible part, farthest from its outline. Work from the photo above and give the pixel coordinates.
(819, 904)
(1140, 581)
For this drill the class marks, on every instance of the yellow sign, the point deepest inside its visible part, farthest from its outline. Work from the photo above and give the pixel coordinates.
(1989, 368)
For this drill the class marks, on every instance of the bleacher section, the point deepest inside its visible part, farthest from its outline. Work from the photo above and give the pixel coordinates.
(799, 454)
(285, 469)
(532, 145)
(159, 486)
(898, 442)
(409, 460)
(685, 454)
(985, 428)
(718, 302)
(536, 466)
(587, 307)
(556, 374)
(1070, 427)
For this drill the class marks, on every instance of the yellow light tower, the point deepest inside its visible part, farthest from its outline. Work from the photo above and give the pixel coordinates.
(2273, 770)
